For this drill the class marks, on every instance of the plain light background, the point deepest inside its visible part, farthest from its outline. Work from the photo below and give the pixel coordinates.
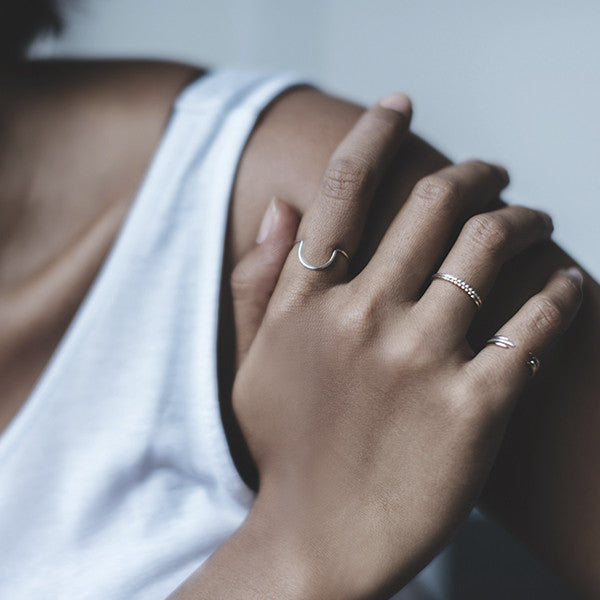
(516, 82)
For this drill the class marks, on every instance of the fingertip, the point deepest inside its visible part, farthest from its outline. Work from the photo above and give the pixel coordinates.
(572, 294)
(574, 274)
(286, 226)
(287, 212)
(399, 102)
(547, 220)
(571, 291)
(269, 220)
(279, 221)
(502, 173)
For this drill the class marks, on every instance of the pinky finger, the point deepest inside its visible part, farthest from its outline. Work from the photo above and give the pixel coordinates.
(507, 365)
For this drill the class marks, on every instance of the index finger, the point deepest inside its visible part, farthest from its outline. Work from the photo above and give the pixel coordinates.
(335, 220)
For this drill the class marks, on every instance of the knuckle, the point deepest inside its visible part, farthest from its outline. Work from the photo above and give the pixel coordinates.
(240, 281)
(278, 314)
(547, 316)
(346, 177)
(356, 322)
(465, 405)
(412, 353)
(412, 356)
(461, 405)
(488, 232)
(284, 308)
(438, 191)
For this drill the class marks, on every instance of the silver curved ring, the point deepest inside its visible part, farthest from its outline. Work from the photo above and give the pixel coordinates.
(501, 341)
(463, 285)
(325, 265)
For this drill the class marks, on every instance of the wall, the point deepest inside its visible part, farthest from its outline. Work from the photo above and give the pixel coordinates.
(515, 82)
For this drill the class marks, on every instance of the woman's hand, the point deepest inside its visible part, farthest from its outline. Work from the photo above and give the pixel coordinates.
(372, 423)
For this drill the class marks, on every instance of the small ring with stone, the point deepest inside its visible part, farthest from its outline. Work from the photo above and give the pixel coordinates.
(463, 285)
(325, 265)
(533, 362)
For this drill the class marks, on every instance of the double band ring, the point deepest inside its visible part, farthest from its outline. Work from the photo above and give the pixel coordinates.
(501, 341)
(533, 362)
(463, 285)
(325, 265)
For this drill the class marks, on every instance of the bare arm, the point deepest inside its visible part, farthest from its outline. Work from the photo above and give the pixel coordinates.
(544, 486)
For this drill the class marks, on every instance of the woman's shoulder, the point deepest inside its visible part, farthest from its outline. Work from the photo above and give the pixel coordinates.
(121, 103)
(149, 78)
(77, 139)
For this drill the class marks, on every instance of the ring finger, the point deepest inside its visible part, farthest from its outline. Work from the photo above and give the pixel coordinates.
(420, 234)
(468, 273)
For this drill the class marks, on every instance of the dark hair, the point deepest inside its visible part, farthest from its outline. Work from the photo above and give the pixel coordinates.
(21, 21)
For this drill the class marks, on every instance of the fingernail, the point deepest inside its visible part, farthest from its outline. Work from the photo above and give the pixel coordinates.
(268, 221)
(398, 102)
(575, 274)
(502, 172)
(548, 219)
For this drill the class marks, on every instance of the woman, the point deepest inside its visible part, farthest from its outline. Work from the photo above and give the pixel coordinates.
(65, 203)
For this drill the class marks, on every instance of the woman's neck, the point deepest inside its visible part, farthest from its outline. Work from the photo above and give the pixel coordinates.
(75, 142)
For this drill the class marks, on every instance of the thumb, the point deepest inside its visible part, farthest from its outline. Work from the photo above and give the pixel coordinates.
(255, 276)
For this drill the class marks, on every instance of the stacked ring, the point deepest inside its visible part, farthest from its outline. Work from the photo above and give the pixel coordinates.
(463, 285)
(501, 341)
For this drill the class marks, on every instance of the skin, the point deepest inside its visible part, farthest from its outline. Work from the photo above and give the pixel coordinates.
(543, 486)
(55, 231)
(333, 496)
(551, 503)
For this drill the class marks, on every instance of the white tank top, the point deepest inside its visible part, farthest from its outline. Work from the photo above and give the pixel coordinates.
(115, 477)
(116, 480)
